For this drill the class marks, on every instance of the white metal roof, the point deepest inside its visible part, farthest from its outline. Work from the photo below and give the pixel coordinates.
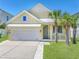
(47, 20)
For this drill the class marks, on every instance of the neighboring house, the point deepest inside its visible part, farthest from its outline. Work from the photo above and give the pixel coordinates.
(34, 24)
(4, 16)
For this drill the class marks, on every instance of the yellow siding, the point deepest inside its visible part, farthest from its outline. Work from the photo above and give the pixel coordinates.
(19, 19)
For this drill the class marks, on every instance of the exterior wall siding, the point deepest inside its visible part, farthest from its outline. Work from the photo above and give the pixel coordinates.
(3, 16)
(19, 19)
(61, 36)
(12, 30)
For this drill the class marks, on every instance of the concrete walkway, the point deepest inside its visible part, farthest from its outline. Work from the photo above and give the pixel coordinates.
(39, 51)
(18, 49)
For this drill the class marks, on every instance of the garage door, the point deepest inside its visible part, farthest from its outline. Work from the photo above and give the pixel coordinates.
(30, 33)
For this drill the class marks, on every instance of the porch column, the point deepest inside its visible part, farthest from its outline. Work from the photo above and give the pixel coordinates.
(41, 31)
(51, 31)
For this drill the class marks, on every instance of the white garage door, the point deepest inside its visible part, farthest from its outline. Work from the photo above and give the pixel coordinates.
(30, 33)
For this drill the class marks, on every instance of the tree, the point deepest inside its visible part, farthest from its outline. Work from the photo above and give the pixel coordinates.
(3, 26)
(56, 15)
(66, 22)
(74, 26)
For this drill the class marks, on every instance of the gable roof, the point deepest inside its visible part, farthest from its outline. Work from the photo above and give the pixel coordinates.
(41, 7)
(6, 12)
(47, 20)
(39, 10)
(4, 16)
(24, 11)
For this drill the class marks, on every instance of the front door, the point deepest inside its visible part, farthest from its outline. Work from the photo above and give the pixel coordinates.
(45, 32)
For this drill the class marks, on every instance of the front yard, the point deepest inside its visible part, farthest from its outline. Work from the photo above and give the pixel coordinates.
(61, 51)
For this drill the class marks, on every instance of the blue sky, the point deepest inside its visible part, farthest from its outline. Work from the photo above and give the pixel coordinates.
(15, 6)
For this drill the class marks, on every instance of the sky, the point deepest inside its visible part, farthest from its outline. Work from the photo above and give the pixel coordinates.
(15, 6)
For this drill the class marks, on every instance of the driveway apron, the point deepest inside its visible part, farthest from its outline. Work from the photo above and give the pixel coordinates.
(18, 50)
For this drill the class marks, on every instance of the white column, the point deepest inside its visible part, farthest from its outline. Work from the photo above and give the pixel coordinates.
(71, 32)
(51, 31)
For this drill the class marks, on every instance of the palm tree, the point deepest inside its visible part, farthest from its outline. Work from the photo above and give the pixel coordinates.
(56, 15)
(66, 22)
(74, 26)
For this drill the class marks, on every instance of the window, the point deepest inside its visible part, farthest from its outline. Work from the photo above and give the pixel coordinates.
(59, 29)
(7, 18)
(53, 29)
(24, 18)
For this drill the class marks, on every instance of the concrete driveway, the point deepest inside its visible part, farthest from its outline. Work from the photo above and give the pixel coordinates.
(18, 50)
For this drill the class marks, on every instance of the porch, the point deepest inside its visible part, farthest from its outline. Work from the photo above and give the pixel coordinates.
(49, 33)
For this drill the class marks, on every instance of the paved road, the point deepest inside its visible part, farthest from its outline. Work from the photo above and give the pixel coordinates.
(18, 50)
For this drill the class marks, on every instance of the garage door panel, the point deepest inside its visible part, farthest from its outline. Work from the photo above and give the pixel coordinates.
(26, 34)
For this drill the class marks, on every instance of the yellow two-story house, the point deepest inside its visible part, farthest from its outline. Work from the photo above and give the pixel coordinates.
(34, 25)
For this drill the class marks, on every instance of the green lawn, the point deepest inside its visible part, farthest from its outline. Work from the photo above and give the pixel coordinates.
(61, 51)
(4, 38)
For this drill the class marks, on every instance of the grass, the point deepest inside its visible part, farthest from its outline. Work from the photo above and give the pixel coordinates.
(3, 38)
(61, 51)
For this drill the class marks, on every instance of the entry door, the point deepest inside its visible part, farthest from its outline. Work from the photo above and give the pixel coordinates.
(45, 32)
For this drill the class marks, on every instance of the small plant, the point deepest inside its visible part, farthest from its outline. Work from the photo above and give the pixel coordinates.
(0, 35)
(3, 26)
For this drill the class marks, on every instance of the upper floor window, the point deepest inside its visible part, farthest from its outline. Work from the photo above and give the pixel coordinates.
(24, 18)
(7, 18)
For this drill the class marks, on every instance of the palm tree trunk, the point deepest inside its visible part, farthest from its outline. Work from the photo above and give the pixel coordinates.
(56, 30)
(74, 35)
(67, 37)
